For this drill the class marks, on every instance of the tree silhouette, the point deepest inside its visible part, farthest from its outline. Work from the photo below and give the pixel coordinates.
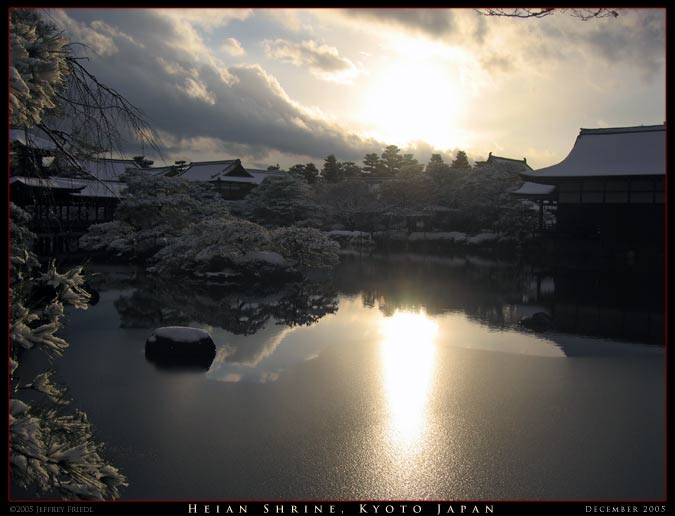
(460, 161)
(331, 169)
(392, 160)
(372, 164)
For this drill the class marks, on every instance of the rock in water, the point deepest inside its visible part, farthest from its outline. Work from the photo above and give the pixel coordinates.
(539, 321)
(180, 347)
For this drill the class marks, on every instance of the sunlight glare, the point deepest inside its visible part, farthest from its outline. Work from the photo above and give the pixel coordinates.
(407, 353)
(415, 99)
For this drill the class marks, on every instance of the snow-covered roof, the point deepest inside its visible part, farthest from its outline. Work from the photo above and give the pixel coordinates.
(45, 182)
(109, 189)
(36, 141)
(534, 189)
(78, 187)
(509, 161)
(108, 169)
(260, 175)
(618, 151)
(211, 170)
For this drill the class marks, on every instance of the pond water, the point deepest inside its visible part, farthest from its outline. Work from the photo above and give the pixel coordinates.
(401, 377)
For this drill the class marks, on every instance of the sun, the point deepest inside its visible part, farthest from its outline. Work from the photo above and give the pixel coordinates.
(411, 99)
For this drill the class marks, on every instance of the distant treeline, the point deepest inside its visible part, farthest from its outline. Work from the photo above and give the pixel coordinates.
(390, 163)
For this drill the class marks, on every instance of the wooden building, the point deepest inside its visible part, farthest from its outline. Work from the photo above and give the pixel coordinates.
(611, 186)
(62, 208)
(228, 177)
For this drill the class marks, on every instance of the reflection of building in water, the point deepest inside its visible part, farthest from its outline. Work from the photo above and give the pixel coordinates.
(623, 303)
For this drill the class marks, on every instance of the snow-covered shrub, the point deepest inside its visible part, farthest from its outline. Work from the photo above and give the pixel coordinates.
(210, 246)
(306, 247)
(181, 228)
(108, 236)
(279, 201)
(154, 210)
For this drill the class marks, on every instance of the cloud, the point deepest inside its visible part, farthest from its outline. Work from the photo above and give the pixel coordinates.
(98, 37)
(233, 47)
(635, 40)
(323, 61)
(436, 23)
(639, 40)
(207, 19)
(199, 101)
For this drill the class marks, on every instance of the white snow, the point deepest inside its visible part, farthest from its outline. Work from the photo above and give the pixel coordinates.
(534, 189)
(345, 233)
(482, 238)
(450, 236)
(180, 334)
(266, 256)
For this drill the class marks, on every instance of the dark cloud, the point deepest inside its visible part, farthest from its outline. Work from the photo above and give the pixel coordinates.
(164, 68)
(636, 38)
(436, 23)
(639, 39)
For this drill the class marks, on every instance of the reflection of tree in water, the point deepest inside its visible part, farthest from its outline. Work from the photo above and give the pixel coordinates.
(242, 312)
(480, 288)
(304, 303)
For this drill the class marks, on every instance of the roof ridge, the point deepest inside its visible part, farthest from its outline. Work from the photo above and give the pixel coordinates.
(212, 162)
(628, 129)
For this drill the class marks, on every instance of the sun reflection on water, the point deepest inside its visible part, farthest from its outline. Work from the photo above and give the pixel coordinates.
(408, 353)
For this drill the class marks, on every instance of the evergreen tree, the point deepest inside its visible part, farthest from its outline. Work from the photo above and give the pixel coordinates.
(461, 161)
(331, 169)
(392, 160)
(372, 164)
(350, 169)
(410, 166)
(311, 173)
(297, 171)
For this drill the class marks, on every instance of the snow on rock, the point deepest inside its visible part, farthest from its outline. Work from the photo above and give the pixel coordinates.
(451, 236)
(180, 334)
(267, 257)
(482, 238)
(345, 237)
(345, 233)
(180, 347)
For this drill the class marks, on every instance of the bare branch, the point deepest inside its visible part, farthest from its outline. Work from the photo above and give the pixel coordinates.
(526, 13)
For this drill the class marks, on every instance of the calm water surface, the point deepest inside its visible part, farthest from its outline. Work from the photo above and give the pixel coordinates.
(404, 377)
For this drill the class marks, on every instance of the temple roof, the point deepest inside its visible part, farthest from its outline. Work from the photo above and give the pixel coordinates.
(618, 151)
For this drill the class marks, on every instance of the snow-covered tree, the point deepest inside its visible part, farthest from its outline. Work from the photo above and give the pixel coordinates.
(51, 90)
(306, 247)
(154, 210)
(210, 245)
(177, 227)
(483, 200)
(280, 201)
(38, 67)
(51, 447)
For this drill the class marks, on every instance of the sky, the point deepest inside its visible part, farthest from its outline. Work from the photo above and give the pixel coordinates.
(291, 86)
